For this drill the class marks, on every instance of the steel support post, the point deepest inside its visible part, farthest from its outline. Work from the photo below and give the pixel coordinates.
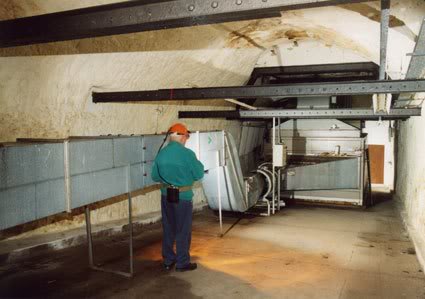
(220, 214)
(380, 101)
(130, 229)
(89, 237)
(130, 220)
(385, 21)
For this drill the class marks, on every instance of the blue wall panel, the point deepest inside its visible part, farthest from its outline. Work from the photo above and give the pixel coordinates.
(17, 205)
(137, 178)
(90, 156)
(23, 165)
(127, 151)
(91, 187)
(151, 144)
(50, 198)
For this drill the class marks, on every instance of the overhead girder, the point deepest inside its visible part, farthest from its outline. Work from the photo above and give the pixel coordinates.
(346, 114)
(142, 15)
(265, 91)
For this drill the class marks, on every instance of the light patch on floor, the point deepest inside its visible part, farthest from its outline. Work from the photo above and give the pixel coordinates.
(305, 253)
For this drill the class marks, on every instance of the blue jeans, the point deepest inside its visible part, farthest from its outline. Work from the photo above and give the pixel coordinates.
(177, 227)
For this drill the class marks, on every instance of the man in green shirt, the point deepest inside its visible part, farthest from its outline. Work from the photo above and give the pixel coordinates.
(177, 166)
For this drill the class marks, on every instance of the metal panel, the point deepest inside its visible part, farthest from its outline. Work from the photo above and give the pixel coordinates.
(151, 144)
(29, 164)
(127, 151)
(137, 177)
(142, 15)
(330, 128)
(17, 205)
(309, 146)
(350, 196)
(92, 187)
(50, 198)
(342, 174)
(147, 170)
(89, 156)
(265, 91)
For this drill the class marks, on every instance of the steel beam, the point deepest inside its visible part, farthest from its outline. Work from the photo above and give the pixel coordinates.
(265, 91)
(417, 63)
(142, 15)
(351, 114)
(318, 73)
(333, 68)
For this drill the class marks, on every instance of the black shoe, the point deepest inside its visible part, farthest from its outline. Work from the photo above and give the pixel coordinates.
(188, 267)
(168, 267)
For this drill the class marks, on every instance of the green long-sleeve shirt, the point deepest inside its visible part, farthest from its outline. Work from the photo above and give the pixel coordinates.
(177, 165)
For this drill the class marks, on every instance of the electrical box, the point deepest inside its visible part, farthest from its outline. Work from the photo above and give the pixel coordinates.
(279, 155)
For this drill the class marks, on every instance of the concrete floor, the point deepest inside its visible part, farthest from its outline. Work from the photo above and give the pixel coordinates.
(302, 252)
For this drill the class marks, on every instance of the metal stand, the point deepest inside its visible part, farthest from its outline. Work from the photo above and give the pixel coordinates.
(130, 229)
(220, 214)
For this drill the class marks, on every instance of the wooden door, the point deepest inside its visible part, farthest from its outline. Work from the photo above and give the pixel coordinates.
(377, 161)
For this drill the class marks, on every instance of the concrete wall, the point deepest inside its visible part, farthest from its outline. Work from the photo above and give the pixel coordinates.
(410, 186)
(45, 89)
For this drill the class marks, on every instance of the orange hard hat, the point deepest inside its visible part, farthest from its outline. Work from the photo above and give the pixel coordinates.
(179, 129)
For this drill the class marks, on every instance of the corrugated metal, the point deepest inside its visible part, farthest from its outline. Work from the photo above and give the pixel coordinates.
(136, 175)
(90, 156)
(30, 164)
(32, 183)
(50, 198)
(341, 174)
(151, 144)
(17, 205)
(127, 151)
(92, 187)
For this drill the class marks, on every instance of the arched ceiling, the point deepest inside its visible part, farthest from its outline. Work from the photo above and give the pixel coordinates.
(45, 89)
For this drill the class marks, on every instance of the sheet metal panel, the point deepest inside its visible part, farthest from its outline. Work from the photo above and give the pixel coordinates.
(352, 196)
(30, 164)
(137, 178)
(50, 198)
(151, 144)
(342, 174)
(92, 187)
(90, 156)
(303, 146)
(17, 205)
(99, 170)
(147, 178)
(127, 151)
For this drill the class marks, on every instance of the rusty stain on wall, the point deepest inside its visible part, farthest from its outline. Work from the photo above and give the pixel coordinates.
(271, 32)
(296, 34)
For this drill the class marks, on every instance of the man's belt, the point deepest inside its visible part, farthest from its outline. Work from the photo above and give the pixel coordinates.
(181, 189)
